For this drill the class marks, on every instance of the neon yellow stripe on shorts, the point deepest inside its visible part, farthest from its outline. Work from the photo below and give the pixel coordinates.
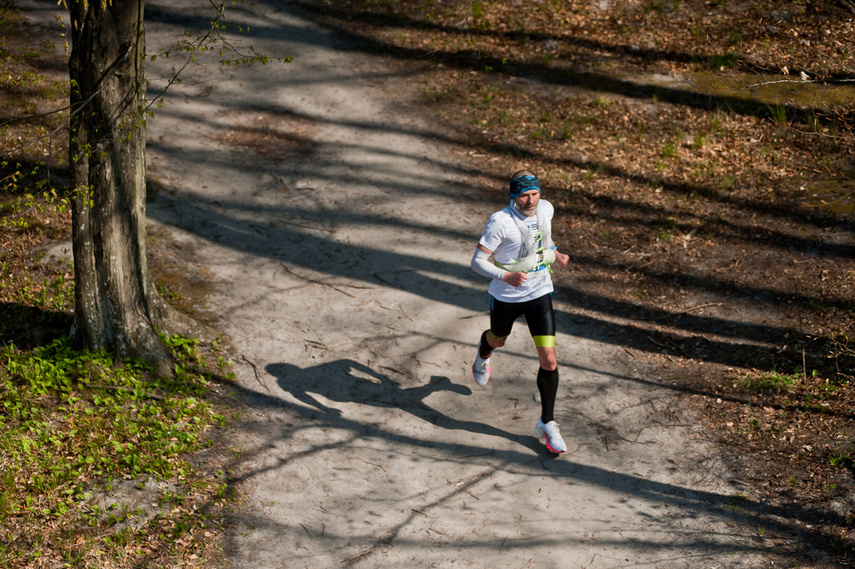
(544, 341)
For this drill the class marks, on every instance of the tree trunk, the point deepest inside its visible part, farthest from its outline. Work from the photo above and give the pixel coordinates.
(116, 305)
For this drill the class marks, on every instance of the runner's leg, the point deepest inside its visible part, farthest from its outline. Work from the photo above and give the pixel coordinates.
(489, 343)
(502, 317)
(540, 317)
(547, 385)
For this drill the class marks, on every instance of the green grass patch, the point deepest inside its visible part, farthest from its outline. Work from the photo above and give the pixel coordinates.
(72, 423)
(769, 382)
(669, 150)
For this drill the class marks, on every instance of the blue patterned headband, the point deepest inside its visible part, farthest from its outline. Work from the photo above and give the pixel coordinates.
(523, 183)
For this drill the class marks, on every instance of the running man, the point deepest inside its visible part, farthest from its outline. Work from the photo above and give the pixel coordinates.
(516, 251)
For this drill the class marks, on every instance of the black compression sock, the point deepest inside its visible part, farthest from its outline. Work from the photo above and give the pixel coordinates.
(547, 384)
(484, 350)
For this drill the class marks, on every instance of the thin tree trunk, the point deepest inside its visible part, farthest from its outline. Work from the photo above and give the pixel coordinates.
(116, 305)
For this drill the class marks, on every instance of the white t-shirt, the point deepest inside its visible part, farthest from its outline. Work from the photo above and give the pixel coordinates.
(503, 237)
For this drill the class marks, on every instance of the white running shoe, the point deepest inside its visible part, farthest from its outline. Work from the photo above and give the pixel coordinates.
(549, 431)
(481, 370)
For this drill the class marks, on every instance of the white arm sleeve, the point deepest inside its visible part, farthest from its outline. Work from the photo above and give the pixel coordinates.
(549, 243)
(481, 264)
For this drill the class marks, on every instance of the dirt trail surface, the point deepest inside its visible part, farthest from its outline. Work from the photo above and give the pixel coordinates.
(338, 231)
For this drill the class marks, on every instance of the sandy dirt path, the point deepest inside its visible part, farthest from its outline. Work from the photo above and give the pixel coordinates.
(339, 233)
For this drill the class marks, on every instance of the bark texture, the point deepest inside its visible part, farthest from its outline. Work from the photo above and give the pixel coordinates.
(116, 305)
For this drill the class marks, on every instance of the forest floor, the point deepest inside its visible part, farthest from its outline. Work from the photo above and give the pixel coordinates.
(701, 159)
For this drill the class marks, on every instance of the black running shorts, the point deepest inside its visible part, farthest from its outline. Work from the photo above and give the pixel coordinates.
(539, 315)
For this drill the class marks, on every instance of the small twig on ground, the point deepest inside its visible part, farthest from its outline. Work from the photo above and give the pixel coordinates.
(255, 369)
(387, 540)
(474, 455)
(335, 288)
(233, 398)
(382, 280)
(691, 309)
(317, 344)
(372, 464)
(305, 225)
(638, 434)
(661, 345)
(395, 370)
(353, 558)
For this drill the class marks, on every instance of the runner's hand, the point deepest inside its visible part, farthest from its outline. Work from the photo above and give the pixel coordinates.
(514, 278)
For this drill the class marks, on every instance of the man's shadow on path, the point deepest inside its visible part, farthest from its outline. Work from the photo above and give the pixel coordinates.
(348, 381)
